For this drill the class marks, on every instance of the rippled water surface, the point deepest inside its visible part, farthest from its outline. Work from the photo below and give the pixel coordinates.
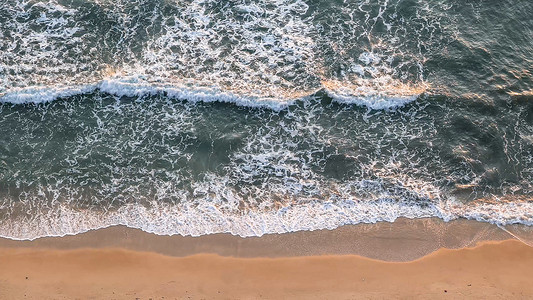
(253, 117)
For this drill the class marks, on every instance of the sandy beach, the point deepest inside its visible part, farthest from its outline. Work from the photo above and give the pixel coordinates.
(122, 263)
(490, 271)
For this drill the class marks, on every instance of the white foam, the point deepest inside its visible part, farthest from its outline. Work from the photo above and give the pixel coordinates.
(43, 94)
(377, 93)
(205, 218)
(135, 86)
(375, 101)
(369, 58)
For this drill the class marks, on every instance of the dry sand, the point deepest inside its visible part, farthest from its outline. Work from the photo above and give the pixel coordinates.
(101, 265)
(499, 270)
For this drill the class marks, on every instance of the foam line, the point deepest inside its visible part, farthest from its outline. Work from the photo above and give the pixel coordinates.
(133, 88)
(204, 218)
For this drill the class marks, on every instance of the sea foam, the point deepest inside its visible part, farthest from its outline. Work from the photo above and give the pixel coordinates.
(205, 218)
(132, 86)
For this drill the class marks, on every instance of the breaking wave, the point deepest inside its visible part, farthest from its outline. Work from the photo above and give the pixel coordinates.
(371, 95)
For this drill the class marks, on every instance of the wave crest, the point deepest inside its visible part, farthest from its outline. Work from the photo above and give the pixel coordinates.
(374, 94)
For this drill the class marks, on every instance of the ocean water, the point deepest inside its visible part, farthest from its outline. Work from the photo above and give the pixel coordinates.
(194, 117)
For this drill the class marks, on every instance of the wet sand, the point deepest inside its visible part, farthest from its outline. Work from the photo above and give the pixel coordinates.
(402, 240)
(121, 263)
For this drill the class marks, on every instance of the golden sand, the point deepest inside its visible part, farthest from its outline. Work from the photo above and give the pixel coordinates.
(491, 270)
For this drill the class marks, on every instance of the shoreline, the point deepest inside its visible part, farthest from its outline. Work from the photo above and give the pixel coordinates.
(420, 258)
(402, 240)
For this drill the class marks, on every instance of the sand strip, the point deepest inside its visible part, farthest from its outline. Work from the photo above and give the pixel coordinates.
(493, 270)
(404, 259)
